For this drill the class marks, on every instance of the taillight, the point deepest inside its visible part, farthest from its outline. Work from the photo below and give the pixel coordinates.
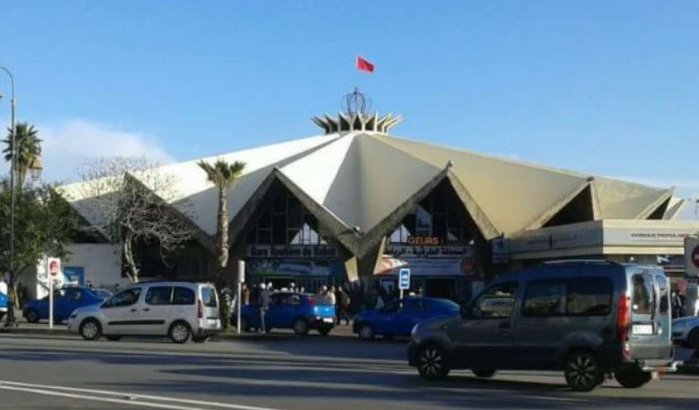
(623, 319)
(200, 309)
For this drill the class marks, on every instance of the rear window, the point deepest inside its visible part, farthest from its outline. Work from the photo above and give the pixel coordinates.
(159, 295)
(589, 296)
(183, 296)
(642, 294)
(568, 297)
(208, 296)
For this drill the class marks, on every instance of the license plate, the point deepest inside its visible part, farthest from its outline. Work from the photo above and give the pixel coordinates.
(212, 322)
(327, 320)
(642, 329)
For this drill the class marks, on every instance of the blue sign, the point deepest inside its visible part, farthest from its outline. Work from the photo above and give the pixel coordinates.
(404, 279)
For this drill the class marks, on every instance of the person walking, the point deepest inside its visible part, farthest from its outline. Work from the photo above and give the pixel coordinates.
(342, 299)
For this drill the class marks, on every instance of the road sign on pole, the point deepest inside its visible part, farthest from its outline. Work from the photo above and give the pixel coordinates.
(53, 267)
(241, 279)
(403, 280)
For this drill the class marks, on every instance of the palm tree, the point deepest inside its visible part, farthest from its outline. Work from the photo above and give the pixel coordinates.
(28, 149)
(223, 175)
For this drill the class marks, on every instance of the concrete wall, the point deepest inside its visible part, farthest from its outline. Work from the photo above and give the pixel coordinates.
(101, 264)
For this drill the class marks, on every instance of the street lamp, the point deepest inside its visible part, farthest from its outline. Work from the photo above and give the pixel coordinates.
(13, 161)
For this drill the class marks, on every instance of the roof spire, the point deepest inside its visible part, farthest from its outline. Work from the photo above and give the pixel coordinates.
(356, 116)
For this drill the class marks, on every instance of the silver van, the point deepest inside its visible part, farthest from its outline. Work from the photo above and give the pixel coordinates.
(587, 318)
(178, 310)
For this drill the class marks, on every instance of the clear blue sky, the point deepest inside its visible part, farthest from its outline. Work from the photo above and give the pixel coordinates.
(606, 87)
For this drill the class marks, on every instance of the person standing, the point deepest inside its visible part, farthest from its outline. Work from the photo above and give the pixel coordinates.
(264, 306)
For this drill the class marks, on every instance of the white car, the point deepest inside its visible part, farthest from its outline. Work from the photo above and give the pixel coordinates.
(178, 310)
(685, 331)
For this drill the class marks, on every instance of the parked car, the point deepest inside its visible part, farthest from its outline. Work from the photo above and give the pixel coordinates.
(399, 317)
(178, 310)
(3, 299)
(65, 301)
(289, 310)
(587, 318)
(685, 332)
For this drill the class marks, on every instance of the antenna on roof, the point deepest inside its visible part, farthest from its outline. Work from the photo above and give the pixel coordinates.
(357, 102)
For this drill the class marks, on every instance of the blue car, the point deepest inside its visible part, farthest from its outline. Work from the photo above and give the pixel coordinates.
(288, 310)
(398, 317)
(3, 304)
(65, 301)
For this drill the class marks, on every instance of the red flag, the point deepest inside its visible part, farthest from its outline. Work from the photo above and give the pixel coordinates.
(363, 65)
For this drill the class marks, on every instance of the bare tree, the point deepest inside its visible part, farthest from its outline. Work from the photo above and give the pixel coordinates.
(128, 201)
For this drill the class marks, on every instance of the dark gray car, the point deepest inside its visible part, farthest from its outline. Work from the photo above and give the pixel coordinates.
(587, 318)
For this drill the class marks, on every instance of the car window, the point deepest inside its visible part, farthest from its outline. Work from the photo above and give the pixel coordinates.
(127, 297)
(391, 307)
(159, 295)
(496, 302)
(72, 295)
(664, 293)
(545, 298)
(183, 296)
(641, 294)
(414, 305)
(208, 296)
(589, 296)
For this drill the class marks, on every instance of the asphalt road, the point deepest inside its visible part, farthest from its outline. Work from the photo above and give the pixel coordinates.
(281, 373)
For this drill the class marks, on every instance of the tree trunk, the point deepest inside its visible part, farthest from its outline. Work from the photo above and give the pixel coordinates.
(11, 321)
(127, 250)
(222, 230)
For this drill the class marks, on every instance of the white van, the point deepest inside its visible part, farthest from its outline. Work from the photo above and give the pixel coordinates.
(178, 310)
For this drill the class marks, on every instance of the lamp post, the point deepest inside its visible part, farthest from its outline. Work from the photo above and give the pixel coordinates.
(13, 161)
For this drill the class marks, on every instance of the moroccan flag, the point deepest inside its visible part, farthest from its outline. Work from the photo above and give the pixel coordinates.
(363, 65)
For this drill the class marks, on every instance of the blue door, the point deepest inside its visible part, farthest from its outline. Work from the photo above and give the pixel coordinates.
(75, 274)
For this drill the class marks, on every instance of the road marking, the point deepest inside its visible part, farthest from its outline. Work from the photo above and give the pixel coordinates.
(123, 398)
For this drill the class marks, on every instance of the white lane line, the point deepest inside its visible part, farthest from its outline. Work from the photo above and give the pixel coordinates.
(56, 390)
(102, 399)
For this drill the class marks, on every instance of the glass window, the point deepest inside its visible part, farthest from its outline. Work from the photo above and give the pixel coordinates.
(496, 302)
(545, 298)
(664, 294)
(589, 296)
(159, 295)
(183, 296)
(72, 294)
(208, 296)
(127, 297)
(642, 294)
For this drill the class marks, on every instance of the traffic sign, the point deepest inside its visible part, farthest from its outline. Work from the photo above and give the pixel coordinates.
(691, 255)
(404, 279)
(54, 266)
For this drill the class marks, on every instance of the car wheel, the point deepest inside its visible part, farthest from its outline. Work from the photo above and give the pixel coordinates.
(366, 332)
(483, 373)
(300, 327)
(632, 378)
(432, 362)
(693, 339)
(32, 316)
(180, 332)
(201, 339)
(582, 371)
(90, 329)
(324, 330)
(112, 338)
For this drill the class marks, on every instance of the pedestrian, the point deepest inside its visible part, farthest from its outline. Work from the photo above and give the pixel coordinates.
(264, 306)
(330, 296)
(245, 293)
(342, 304)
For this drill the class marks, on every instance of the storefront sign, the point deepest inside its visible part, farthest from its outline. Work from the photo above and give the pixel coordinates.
(291, 251)
(424, 241)
(447, 251)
